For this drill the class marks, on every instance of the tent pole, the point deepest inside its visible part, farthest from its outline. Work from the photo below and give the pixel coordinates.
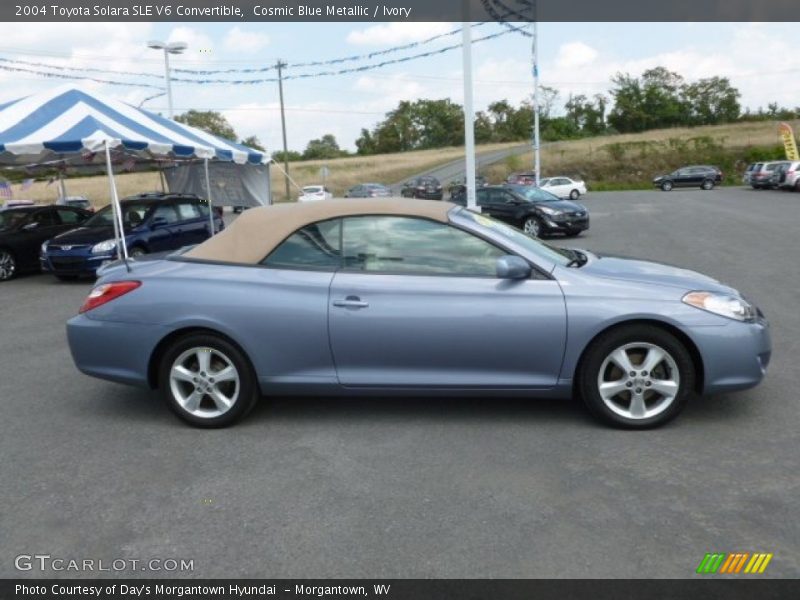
(61, 185)
(162, 179)
(210, 202)
(116, 209)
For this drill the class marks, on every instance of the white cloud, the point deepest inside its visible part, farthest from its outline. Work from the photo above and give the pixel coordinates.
(246, 42)
(575, 54)
(199, 43)
(396, 33)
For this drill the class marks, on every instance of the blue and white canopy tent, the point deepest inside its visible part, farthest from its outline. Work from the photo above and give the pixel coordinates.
(73, 125)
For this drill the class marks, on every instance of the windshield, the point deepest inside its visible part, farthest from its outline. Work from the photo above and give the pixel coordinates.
(534, 194)
(10, 219)
(132, 215)
(551, 253)
(314, 189)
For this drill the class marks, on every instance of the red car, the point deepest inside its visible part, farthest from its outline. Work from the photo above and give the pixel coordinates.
(521, 179)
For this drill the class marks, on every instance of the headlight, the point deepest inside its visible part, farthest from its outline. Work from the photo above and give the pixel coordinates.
(549, 211)
(724, 305)
(103, 247)
(43, 249)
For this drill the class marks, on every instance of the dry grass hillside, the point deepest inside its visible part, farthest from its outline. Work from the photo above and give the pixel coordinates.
(631, 160)
(606, 162)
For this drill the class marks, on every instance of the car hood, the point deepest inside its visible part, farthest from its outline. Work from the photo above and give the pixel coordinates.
(659, 177)
(645, 271)
(562, 205)
(85, 235)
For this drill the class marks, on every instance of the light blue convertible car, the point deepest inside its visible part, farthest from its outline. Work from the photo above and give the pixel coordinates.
(412, 297)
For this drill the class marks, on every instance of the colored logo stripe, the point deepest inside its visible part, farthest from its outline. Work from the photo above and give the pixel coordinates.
(721, 562)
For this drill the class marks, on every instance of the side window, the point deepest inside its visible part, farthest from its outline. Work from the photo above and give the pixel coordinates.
(166, 212)
(45, 218)
(415, 246)
(69, 217)
(315, 247)
(187, 211)
(481, 197)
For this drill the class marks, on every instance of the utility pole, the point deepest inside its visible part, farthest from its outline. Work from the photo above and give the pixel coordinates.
(280, 65)
(535, 58)
(469, 115)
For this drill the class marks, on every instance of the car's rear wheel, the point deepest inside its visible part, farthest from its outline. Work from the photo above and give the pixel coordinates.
(532, 226)
(666, 186)
(707, 184)
(8, 265)
(207, 381)
(136, 252)
(574, 195)
(636, 377)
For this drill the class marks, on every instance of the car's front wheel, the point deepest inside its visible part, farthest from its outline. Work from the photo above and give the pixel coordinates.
(707, 184)
(207, 381)
(532, 226)
(8, 265)
(666, 186)
(636, 377)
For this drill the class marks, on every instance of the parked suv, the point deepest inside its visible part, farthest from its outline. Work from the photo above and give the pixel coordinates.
(152, 223)
(427, 187)
(792, 176)
(763, 177)
(702, 176)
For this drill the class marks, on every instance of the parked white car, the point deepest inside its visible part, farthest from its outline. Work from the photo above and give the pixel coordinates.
(563, 187)
(790, 178)
(16, 204)
(314, 193)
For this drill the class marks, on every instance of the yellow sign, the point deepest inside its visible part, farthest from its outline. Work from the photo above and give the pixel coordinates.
(787, 135)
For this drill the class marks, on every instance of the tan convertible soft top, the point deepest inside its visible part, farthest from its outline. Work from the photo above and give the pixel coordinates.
(256, 232)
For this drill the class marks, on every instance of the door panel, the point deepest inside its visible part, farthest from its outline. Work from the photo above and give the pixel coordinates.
(446, 332)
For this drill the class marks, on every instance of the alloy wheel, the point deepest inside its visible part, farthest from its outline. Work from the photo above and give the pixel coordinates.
(8, 266)
(532, 227)
(638, 380)
(204, 382)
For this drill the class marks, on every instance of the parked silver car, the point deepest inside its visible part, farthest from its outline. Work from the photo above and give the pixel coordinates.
(413, 297)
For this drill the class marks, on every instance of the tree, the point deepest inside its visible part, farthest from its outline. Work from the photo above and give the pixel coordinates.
(322, 148)
(712, 100)
(208, 120)
(290, 155)
(254, 143)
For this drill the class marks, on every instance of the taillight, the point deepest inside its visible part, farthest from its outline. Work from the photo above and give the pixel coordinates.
(106, 293)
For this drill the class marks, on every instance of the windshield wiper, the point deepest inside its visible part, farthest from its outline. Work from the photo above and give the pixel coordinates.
(578, 258)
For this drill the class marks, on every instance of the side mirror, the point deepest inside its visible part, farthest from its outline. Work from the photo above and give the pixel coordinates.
(158, 222)
(512, 267)
(30, 226)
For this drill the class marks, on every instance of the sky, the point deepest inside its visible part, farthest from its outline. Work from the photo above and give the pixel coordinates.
(760, 59)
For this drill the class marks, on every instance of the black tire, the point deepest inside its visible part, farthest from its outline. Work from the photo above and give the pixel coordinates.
(574, 195)
(66, 277)
(135, 251)
(248, 392)
(8, 265)
(667, 186)
(707, 185)
(797, 185)
(599, 351)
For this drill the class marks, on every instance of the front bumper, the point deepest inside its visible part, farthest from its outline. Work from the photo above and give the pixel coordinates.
(72, 263)
(567, 225)
(735, 356)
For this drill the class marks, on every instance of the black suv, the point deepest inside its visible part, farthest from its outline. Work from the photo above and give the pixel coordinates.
(702, 176)
(427, 187)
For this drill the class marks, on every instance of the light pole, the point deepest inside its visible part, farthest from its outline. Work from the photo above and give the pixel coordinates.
(173, 48)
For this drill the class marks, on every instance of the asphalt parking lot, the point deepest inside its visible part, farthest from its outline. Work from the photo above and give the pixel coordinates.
(322, 487)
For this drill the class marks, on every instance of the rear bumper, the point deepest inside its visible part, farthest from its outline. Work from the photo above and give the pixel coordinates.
(735, 356)
(114, 351)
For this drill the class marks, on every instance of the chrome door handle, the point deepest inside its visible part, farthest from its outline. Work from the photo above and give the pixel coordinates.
(351, 302)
